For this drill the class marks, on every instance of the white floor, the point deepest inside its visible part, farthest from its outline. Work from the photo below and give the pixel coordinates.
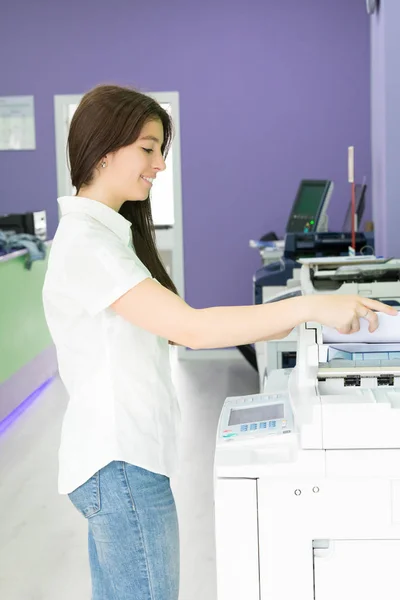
(43, 539)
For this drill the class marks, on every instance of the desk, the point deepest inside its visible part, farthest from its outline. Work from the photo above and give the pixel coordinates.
(27, 355)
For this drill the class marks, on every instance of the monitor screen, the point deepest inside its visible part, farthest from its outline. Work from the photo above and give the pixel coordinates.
(310, 205)
(309, 198)
(266, 412)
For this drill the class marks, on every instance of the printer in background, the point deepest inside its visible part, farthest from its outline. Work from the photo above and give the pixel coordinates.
(33, 223)
(307, 235)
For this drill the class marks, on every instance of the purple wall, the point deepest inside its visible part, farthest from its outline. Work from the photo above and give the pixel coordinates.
(385, 46)
(270, 92)
(378, 130)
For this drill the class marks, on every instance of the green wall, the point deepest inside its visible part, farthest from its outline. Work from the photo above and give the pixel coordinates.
(23, 330)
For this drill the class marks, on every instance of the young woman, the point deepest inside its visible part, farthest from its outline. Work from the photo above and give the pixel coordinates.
(112, 309)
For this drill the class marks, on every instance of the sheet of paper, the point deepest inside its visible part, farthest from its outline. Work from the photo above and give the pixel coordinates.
(339, 260)
(357, 347)
(387, 332)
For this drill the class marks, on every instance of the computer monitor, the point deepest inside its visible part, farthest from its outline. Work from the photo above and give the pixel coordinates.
(361, 191)
(309, 208)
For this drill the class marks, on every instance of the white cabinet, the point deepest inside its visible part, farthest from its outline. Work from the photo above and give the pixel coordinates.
(237, 539)
(354, 516)
(358, 569)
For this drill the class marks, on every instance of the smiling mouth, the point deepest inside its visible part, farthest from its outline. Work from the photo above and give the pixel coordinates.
(148, 179)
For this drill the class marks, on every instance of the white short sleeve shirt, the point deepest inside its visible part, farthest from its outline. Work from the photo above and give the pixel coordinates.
(122, 402)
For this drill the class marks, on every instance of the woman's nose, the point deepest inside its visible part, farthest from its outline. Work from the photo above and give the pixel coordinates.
(159, 164)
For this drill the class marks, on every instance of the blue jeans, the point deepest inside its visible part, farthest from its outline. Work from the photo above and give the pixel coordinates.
(133, 533)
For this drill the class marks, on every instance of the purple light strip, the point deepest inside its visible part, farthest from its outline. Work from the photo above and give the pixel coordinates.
(21, 408)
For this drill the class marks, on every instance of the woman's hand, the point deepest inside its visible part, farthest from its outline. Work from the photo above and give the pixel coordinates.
(344, 312)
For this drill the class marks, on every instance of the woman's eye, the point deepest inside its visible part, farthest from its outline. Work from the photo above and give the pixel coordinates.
(148, 150)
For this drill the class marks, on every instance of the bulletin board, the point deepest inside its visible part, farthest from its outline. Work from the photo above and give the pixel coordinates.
(17, 123)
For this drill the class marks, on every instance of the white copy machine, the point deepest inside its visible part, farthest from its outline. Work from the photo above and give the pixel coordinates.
(366, 276)
(307, 474)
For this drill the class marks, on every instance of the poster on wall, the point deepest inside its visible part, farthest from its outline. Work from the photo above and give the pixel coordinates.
(17, 123)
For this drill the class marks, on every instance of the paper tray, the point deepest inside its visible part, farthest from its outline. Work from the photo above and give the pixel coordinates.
(360, 352)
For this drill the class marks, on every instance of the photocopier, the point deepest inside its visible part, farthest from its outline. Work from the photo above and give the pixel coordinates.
(308, 214)
(361, 274)
(307, 473)
(270, 280)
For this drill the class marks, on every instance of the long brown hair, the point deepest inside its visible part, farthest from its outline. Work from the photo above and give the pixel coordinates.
(108, 118)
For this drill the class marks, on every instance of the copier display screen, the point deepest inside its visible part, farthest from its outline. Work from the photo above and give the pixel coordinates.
(256, 413)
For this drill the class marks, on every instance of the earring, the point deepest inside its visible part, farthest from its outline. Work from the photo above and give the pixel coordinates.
(104, 164)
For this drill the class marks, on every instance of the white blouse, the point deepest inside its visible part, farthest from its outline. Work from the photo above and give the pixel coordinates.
(122, 402)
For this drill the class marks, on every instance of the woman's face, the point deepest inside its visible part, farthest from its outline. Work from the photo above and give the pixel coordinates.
(130, 171)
